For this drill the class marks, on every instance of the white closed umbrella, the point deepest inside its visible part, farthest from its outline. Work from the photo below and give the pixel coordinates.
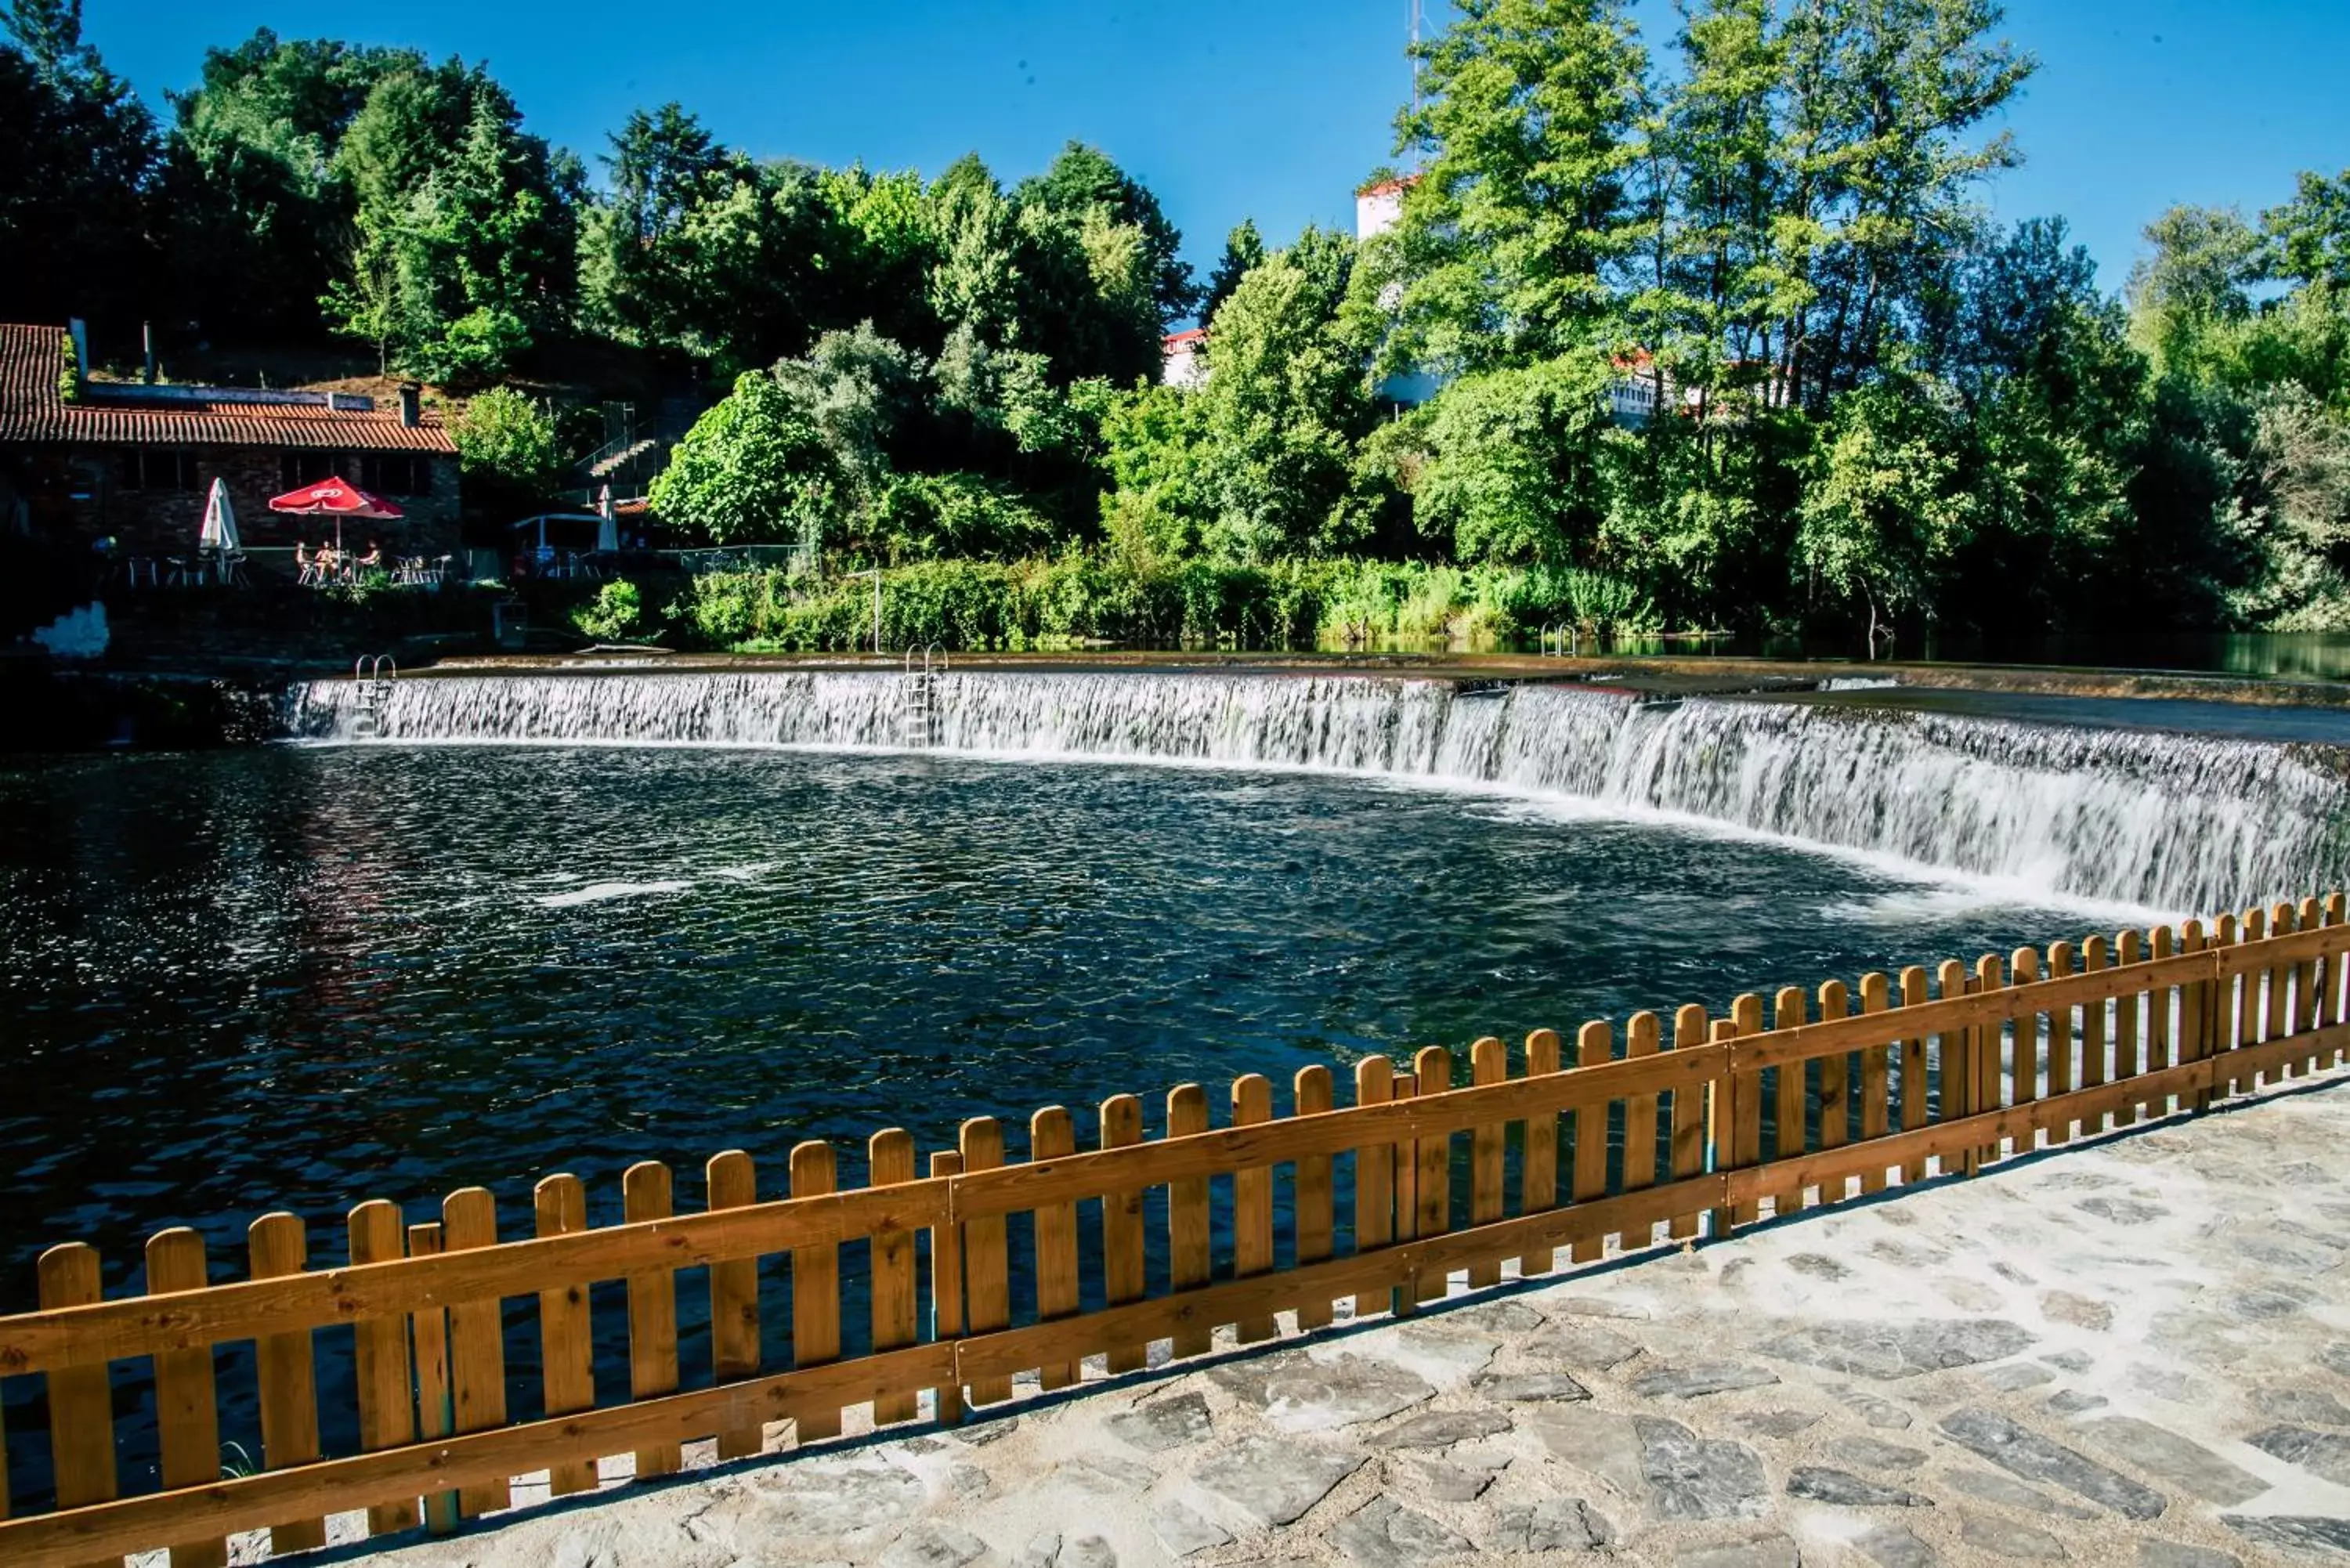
(219, 523)
(608, 531)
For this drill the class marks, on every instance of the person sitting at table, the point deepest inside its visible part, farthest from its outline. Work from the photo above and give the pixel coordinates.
(374, 557)
(326, 560)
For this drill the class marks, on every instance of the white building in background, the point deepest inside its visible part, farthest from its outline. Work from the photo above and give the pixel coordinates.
(1379, 208)
(1181, 364)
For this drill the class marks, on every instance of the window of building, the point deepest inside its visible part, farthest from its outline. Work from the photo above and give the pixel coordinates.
(398, 473)
(157, 468)
(296, 469)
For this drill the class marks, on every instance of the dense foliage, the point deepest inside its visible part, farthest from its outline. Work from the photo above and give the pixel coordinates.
(1703, 330)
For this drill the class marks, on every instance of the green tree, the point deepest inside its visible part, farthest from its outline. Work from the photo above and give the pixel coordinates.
(1881, 519)
(1243, 248)
(1285, 402)
(754, 468)
(250, 195)
(1084, 181)
(81, 156)
(1509, 235)
(463, 236)
(1511, 470)
(504, 435)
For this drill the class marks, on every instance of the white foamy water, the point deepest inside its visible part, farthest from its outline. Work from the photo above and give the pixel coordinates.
(2177, 823)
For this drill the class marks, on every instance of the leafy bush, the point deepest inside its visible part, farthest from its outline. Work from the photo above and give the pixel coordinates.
(613, 614)
(69, 377)
(503, 434)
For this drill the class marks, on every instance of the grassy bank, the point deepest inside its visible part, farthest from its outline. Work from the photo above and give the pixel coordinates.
(1082, 600)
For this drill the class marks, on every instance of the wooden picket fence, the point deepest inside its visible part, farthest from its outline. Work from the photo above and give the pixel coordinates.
(1934, 1073)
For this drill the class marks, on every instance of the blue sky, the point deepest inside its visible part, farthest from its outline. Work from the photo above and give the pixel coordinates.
(1275, 110)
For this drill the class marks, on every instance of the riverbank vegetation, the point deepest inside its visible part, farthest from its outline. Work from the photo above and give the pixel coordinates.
(1718, 331)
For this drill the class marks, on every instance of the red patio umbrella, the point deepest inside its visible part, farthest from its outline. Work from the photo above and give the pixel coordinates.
(333, 498)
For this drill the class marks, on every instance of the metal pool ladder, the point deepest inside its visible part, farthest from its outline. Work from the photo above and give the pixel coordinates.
(918, 724)
(374, 687)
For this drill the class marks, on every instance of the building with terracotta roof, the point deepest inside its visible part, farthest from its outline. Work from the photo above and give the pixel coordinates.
(1181, 363)
(87, 460)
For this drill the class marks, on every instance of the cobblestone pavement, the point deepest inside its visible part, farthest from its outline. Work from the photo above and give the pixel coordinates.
(2134, 1353)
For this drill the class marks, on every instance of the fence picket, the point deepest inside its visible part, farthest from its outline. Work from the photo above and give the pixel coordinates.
(816, 1285)
(1876, 1076)
(2280, 985)
(950, 1317)
(278, 1245)
(1689, 1031)
(1311, 1095)
(2094, 1070)
(730, 1179)
(477, 1351)
(1835, 1084)
(1252, 1201)
(1746, 1108)
(187, 1416)
(387, 1409)
(2129, 1044)
(1538, 1161)
(1789, 1100)
(1375, 1205)
(1954, 1060)
(566, 1343)
(1489, 1063)
(1123, 1245)
(1594, 1044)
(2199, 1004)
(1050, 1136)
(1188, 1258)
(1433, 1071)
(1916, 991)
(646, 1193)
(2240, 1012)
(2060, 1077)
(1999, 1068)
(436, 1415)
(896, 1305)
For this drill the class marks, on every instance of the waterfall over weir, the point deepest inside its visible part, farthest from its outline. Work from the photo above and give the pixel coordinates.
(2176, 823)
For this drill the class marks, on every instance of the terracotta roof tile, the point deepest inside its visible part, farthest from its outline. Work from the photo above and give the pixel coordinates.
(32, 357)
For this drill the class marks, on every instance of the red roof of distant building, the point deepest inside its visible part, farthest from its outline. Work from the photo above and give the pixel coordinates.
(33, 357)
(1388, 187)
(1183, 339)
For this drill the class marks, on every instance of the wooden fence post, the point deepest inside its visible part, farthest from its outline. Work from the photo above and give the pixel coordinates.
(1052, 1134)
(1916, 991)
(645, 1194)
(1310, 1095)
(1954, 1063)
(2237, 1014)
(1594, 1043)
(1538, 1162)
(2198, 1005)
(278, 1245)
(896, 1307)
(2095, 1069)
(1375, 1204)
(1489, 1063)
(1252, 1202)
(477, 1348)
(1745, 1125)
(947, 1315)
(1790, 1108)
(2129, 1044)
(1992, 1085)
(1689, 1031)
(2280, 986)
(731, 1180)
(1721, 1117)
(1836, 1086)
(387, 1402)
(1123, 1243)
(815, 1172)
(1433, 1071)
(1406, 1295)
(566, 1343)
(1188, 1258)
(187, 1415)
(436, 1409)
(1876, 1076)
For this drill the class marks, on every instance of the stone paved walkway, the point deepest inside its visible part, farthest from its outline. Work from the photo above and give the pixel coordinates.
(2137, 1352)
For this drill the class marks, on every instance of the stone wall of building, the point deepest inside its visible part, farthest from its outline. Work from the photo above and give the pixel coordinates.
(91, 500)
